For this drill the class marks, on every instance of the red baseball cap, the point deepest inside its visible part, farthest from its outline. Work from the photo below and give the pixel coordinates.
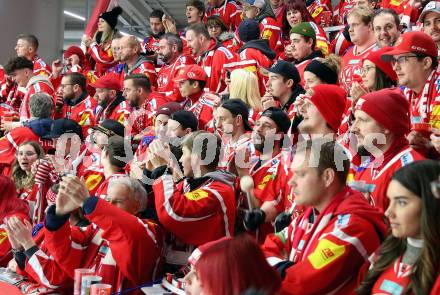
(108, 81)
(375, 57)
(412, 42)
(191, 72)
(74, 50)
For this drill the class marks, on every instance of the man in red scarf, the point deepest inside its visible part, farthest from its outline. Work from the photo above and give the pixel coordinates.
(382, 122)
(333, 238)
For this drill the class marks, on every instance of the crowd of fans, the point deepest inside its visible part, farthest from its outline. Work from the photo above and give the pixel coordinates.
(254, 152)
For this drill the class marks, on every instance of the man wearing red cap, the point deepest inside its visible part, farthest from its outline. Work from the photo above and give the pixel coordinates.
(135, 63)
(191, 80)
(209, 55)
(380, 127)
(78, 105)
(111, 103)
(362, 36)
(170, 52)
(414, 59)
(74, 62)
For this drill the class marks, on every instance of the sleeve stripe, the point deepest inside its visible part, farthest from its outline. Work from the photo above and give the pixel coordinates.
(351, 240)
(36, 266)
(168, 186)
(223, 205)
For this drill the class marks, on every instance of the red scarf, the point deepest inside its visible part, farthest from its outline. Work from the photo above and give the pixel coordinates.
(307, 233)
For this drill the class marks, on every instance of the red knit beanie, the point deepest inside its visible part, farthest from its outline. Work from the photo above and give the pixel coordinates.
(385, 67)
(330, 101)
(389, 108)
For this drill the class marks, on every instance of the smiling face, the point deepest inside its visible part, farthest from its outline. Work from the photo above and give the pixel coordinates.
(431, 25)
(385, 30)
(26, 156)
(404, 211)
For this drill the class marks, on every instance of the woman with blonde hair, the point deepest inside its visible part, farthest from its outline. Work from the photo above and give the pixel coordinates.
(99, 48)
(244, 85)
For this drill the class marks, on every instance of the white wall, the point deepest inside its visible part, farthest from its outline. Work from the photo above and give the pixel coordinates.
(43, 18)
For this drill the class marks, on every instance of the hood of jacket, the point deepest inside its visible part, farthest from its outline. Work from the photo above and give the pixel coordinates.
(261, 45)
(267, 11)
(356, 204)
(225, 36)
(222, 176)
(40, 127)
(39, 78)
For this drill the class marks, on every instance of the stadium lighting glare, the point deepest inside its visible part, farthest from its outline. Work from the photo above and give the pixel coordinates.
(74, 15)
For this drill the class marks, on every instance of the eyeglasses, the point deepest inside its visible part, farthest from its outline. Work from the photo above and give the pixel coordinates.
(401, 59)
(366, 69)
(27, 154)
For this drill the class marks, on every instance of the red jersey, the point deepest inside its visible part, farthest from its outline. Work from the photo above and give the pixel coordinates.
(119, 113)
(197, 214)
(212, 62)
(328, 247)
(103, 56)
(321, 11)
(150, 44)
(166, 75)
(83, 113)
(341, 11)
(122, 249)
(253, 59)
(35, 85)
(270, 30)
(394, 280)
(230, 13)
(351, 65)
(41, 67)
(373, 182)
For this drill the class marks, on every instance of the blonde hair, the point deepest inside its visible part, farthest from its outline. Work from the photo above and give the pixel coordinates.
(363, 13)
(244, 85)
(106, 36)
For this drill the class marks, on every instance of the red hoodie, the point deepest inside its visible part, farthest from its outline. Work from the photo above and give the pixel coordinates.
(330, 250)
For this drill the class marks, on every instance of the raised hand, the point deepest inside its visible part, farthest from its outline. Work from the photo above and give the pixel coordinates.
(22, 232)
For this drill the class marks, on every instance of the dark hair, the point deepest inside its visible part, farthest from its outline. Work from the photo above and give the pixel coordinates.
(199, 142)
(417, 178)
(116, 151)
(200, 5)
(31, 39)
(295, 5)
(172, 40)
(382, 80)
(18, 63)
(157, 13)
(307, 39)
(387, 11)
(140, 81)
(215, 20)
(202, 84)
(331, 155)
(77, 79)
(20, 177)
(434, 60)
(199, 29)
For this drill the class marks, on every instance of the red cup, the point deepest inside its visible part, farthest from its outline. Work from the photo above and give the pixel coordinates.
(100, 289)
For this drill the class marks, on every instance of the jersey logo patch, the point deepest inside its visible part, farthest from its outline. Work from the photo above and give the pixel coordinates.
(343, 220)
(196, 195)
(264, 182)
(391, 287)
(3, 236)
(325, 253)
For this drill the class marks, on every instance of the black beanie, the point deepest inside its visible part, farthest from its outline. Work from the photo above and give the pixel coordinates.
(279, 117)
(249, 29)
(322, 71)
(111, 17)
